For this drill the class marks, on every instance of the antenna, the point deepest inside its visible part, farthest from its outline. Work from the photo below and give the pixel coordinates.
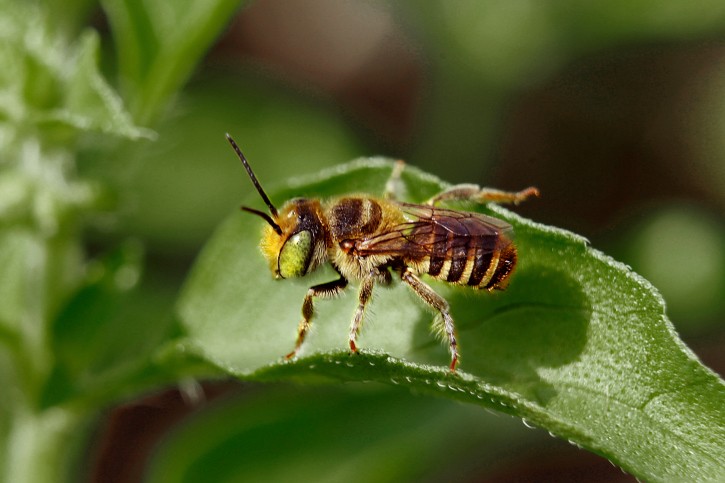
(264, 215)
(272, 209)
(264, 196)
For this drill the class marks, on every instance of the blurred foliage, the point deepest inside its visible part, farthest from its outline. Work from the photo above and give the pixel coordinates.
(181, 187)
(364, 433)
(680, 248)
(112, 178)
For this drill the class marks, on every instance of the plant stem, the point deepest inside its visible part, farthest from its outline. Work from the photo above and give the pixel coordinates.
(41, 447)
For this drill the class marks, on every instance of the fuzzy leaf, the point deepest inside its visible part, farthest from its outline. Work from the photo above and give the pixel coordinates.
(578, 344)
(52, 84)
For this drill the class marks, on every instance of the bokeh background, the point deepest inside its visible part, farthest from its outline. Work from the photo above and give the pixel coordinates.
(615, 110)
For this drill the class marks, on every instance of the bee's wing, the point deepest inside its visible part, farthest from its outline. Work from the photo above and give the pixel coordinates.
(464, 223)
(433, 230)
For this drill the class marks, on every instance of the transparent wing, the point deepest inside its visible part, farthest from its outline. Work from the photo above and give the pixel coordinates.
(434, 231)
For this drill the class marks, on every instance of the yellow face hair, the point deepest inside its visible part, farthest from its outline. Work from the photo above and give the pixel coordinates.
(271, 244)
(294, 250)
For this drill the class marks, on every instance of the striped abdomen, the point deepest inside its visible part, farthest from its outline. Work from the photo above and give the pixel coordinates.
(479, 260)
(463, 248)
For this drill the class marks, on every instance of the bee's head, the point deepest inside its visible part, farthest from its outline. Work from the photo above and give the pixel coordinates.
(293, 241)
(300, 247)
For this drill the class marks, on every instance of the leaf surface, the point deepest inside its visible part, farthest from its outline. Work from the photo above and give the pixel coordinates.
(578, 344)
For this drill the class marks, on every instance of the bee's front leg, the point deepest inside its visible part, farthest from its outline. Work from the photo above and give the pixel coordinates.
(364, 295)
(439, 303)
(472, 192)
(324, 290)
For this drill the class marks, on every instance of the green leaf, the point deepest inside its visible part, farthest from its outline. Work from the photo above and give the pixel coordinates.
(159, 42)
(90, 102)
(578, 344)
(52, 84)
(70, 15)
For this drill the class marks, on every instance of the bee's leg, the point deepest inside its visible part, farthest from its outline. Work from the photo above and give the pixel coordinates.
(324, 290)
(472, 192)
(366, 291)
(392, 185)
(439, 303)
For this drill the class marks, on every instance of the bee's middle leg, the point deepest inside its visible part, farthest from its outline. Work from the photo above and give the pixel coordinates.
(324, 290)
(392, 188)
(364, 295)
(430, 297)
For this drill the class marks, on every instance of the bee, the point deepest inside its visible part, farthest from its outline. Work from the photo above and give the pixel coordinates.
(368, 239)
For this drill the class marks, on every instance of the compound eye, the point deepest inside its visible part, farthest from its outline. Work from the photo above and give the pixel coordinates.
(295, 256)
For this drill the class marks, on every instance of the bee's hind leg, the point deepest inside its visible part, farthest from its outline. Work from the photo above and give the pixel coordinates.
(392, 186)
(472, 192)
(439, 303)
(324, 290)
